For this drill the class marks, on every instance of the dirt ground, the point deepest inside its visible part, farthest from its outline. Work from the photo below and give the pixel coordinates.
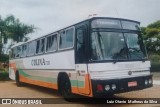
(156, 75)
(8, 89)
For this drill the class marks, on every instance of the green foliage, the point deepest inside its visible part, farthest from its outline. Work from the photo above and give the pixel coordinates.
(155, 62)
(4, 58)
(152, 37)
(11, 27)
(4, 76)
(17, 30)
(155, 67)
(152, 32)
(152, 42)
(143, 30)
(155, 25)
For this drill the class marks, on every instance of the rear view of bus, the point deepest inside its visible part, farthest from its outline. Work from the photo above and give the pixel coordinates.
(117, 59)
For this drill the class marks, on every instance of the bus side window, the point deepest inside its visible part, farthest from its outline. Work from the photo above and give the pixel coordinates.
(31, 48)
(66, 39)
(69, 37)
(13, 53)
(80, 47)
(18, 51)
(40, 47)
(62, 40)
(24, 50)
(51, 43)
(37, 46)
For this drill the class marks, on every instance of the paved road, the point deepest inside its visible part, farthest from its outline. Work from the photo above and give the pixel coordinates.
(10, 90)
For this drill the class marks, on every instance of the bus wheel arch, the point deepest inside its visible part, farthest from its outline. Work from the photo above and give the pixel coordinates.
(64, 85)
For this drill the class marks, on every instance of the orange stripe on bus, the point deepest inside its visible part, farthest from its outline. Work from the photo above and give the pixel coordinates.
(39, 83)
(87, 89)
(81, 91)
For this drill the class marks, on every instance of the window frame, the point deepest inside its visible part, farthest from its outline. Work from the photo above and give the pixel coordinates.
(56, 43)
(12, 52)
(73, 27)
(39, 47)
(28, 48)
(20, 52)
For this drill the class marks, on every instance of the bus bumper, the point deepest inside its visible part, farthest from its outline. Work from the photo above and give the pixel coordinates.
(113, 86)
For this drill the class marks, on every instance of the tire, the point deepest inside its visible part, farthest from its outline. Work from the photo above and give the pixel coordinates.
(18, 83)
(65, 87)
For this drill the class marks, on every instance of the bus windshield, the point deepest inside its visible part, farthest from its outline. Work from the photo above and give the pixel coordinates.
(116, 46)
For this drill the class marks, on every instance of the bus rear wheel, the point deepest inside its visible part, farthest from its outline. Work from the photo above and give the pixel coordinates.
(18, 83)
(65, 88)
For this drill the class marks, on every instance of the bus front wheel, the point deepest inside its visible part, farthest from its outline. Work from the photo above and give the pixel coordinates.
(65, 87)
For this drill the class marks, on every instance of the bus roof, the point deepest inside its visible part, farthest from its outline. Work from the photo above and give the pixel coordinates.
(17, 44)
(92, 18)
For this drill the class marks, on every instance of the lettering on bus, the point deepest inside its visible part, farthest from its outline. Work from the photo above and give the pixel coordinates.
(38, 62)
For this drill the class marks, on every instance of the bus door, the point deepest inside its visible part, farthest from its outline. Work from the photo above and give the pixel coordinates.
(83, 83)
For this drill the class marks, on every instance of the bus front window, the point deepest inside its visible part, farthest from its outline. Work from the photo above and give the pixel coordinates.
(116, 46)
(135, 46)
(108, 46)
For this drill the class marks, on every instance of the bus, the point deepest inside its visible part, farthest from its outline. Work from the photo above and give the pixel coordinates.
(99, 56)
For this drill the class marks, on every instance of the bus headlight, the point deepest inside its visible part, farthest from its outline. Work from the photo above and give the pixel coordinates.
(146, 82)
(113, 86)
(107, 87)
(150, 81)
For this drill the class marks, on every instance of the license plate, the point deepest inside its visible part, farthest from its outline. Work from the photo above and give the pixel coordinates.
(132, 84)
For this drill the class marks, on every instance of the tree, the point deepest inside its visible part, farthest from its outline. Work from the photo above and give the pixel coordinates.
(152, 37)
(18, 31)
(3, 31)
(11, 27)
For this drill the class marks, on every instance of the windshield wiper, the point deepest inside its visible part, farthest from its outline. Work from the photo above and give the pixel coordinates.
(137, 55)
(116, 60)
(122, 53)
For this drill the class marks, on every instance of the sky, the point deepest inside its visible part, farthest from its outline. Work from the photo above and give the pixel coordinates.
(51, 15)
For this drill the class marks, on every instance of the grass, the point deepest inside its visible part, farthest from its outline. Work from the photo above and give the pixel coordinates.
(155, 62)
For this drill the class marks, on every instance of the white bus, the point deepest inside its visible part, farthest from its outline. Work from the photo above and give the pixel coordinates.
(99, 56)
